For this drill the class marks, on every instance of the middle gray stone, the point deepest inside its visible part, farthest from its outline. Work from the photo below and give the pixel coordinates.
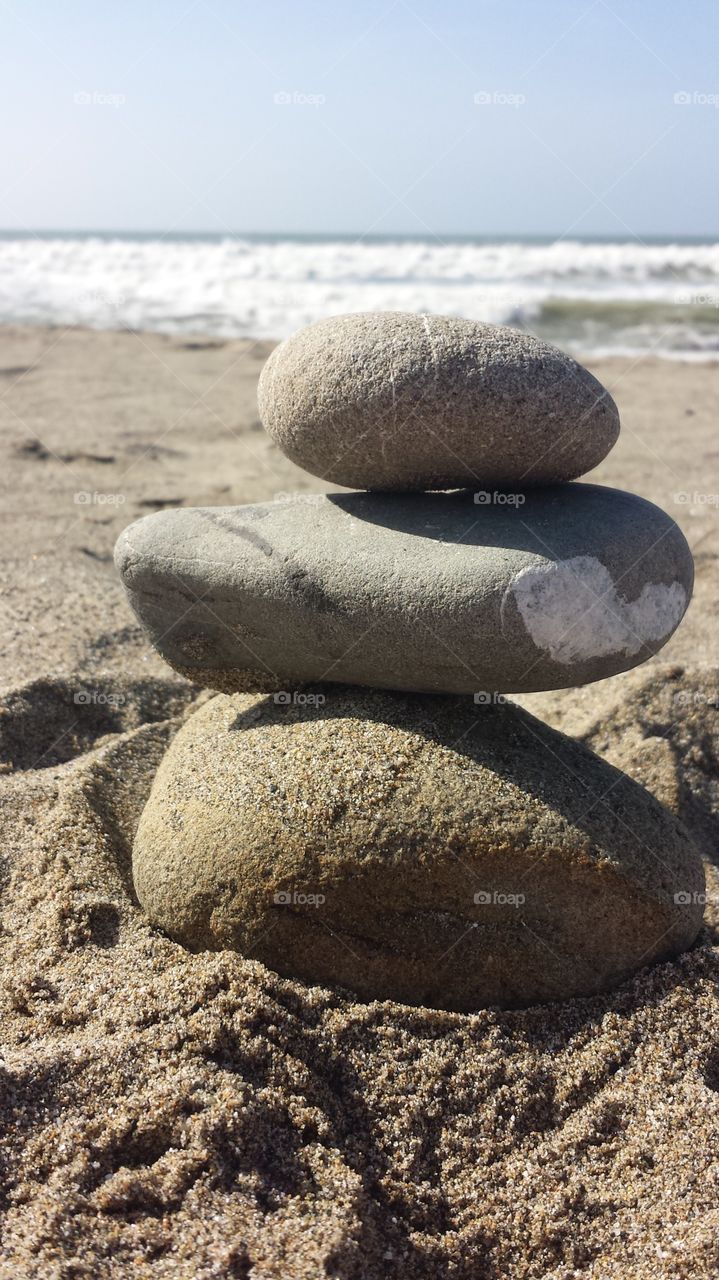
(425, 592)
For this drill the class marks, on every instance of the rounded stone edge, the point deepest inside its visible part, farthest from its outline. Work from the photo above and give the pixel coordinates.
(362, 477)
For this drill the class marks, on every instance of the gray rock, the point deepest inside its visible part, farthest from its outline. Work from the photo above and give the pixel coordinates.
(419, 591)
(391, 400)
(413, 848)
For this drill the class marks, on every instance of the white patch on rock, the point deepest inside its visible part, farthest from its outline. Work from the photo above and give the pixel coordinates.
(573, 611)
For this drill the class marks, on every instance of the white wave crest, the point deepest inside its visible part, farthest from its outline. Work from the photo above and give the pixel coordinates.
(270, 287)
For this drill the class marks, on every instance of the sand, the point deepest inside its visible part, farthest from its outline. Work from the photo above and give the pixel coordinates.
(194, 1116)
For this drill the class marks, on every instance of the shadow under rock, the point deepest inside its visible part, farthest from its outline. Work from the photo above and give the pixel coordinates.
(677, 705)
(116, 788)
(490, 521)
(52, 720)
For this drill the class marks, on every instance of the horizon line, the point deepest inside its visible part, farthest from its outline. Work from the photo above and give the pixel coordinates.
(558, 237)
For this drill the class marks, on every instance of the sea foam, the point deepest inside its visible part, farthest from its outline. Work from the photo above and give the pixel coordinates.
(588, 296)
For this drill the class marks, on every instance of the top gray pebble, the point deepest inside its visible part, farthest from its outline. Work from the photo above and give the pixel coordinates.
(390, 400)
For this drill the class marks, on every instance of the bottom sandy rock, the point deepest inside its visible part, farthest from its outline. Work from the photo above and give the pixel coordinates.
(412, 847)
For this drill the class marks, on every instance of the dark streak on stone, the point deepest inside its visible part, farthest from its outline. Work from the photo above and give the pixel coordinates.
(301, 584)
(240, 531)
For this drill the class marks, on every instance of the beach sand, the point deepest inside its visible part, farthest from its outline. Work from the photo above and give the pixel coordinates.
(193, 1116)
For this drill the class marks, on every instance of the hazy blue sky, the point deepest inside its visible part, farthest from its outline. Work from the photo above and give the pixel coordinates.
(160, 115)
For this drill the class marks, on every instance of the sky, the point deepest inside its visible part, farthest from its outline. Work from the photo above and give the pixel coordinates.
(546, 117)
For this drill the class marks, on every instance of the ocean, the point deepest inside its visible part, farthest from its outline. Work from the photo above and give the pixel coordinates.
(592, 296)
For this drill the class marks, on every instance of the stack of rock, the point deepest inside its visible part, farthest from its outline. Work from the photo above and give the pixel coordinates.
(361, 805)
